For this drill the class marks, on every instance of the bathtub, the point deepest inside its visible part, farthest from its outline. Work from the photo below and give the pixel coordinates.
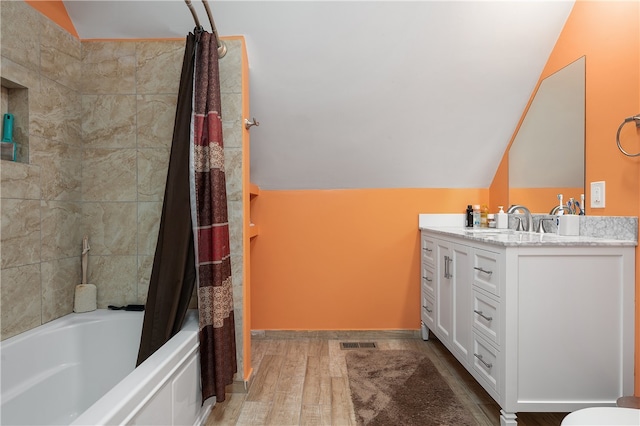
(80, 370)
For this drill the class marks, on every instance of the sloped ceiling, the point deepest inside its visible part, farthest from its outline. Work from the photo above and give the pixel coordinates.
(368, 94)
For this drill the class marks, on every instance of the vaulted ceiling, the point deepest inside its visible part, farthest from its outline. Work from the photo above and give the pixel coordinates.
(368, 94)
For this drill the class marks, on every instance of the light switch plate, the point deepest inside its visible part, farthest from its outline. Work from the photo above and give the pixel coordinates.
(597, 195)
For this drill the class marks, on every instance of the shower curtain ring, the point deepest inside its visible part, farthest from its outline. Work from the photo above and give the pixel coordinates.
(248, 124)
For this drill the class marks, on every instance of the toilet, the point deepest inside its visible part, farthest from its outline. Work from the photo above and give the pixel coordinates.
(609, 416)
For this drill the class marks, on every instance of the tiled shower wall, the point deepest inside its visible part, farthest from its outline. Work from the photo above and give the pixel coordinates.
(41, 235)
(101, 119)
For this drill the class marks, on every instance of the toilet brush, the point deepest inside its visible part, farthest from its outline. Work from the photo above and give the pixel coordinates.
(86, 294)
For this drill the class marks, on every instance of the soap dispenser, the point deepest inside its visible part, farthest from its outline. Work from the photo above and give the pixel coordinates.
(502, 219)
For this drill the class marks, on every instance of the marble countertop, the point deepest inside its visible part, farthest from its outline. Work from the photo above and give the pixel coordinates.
(510, 237)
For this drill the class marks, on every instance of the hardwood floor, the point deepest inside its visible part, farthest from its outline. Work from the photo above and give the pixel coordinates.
(301, 379)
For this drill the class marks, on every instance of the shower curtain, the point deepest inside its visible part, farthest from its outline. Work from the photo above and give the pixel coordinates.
(193, 241)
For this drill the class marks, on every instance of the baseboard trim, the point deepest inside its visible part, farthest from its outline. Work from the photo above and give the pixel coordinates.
(335, 334)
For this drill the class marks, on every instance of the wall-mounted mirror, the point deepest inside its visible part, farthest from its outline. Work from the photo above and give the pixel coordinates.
(547, 154)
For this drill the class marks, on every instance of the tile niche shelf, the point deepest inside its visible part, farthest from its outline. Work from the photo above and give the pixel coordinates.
(254, 191)
(15, 100)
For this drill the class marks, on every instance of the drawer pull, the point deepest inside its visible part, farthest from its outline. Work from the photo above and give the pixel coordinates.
(427, 249)
(477, 268)
(486, 364)
(427, 279)
(427, 309)
(483, 316)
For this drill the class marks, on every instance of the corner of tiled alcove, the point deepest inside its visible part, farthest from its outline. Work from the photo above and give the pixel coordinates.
(19, 309)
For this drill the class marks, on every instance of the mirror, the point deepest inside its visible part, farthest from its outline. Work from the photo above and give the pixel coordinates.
(547, 154)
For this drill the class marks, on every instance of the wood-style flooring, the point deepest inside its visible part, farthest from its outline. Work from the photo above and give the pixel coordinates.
(301, 379)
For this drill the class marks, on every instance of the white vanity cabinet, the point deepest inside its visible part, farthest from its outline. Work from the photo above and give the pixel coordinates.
(543, 328)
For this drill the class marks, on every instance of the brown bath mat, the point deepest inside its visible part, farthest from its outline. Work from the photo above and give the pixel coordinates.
(395, 387)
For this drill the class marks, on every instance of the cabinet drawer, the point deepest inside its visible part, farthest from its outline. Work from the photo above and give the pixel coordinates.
(428, 283)
(427, 247)
(427, 312)
(486, 271)
(486, 317)
(485, 364)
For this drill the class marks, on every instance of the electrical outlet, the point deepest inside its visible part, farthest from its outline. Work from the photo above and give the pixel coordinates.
(597, 195)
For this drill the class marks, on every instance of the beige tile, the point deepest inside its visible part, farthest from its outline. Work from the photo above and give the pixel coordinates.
(55, 113)
(108, 67)
(20, 232)
(59, 280)
(234, 215)
(19, 180)
(60, 169)
(153, 165)
(155, 120)
(232, 132)
(61, 231)
(159, 64)
(109, 174)
(111, 227)
(60, 55)
(20, 28)
(20, 302)
(145, 264)
(54, 35)
(233, 175)
(18, 74)
(238, 289)
(239, 331)
(4, 99)
(109, 121)
(231, 106)
(148, 225)
(115, 277)
(231, 68)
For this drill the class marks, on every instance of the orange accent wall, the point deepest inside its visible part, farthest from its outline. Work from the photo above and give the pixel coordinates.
(55, 11)
(608, 34)
(342, 259)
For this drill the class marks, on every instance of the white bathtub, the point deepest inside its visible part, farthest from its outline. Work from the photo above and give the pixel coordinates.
(80, 370)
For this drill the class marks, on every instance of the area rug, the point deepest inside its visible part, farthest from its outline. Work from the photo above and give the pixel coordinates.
(395, 387)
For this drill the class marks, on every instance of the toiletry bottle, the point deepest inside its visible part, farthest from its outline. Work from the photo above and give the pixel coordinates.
(502, 219)
(476, 215)
(484, 220)
(469, 219)
(491, 220)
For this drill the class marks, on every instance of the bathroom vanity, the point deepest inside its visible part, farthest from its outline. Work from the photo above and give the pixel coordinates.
(545, 323)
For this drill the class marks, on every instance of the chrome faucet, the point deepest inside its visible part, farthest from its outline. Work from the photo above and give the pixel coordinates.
(554, 211)
(526, 211)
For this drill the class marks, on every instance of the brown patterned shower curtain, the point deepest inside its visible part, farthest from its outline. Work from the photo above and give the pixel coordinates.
(211, 227)
(193, 239)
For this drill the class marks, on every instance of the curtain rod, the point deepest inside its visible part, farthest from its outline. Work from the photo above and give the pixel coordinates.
(222, 48)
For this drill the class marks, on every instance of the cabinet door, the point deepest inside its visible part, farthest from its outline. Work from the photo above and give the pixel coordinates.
(454, 298)
(461, 280)
(444, 292)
